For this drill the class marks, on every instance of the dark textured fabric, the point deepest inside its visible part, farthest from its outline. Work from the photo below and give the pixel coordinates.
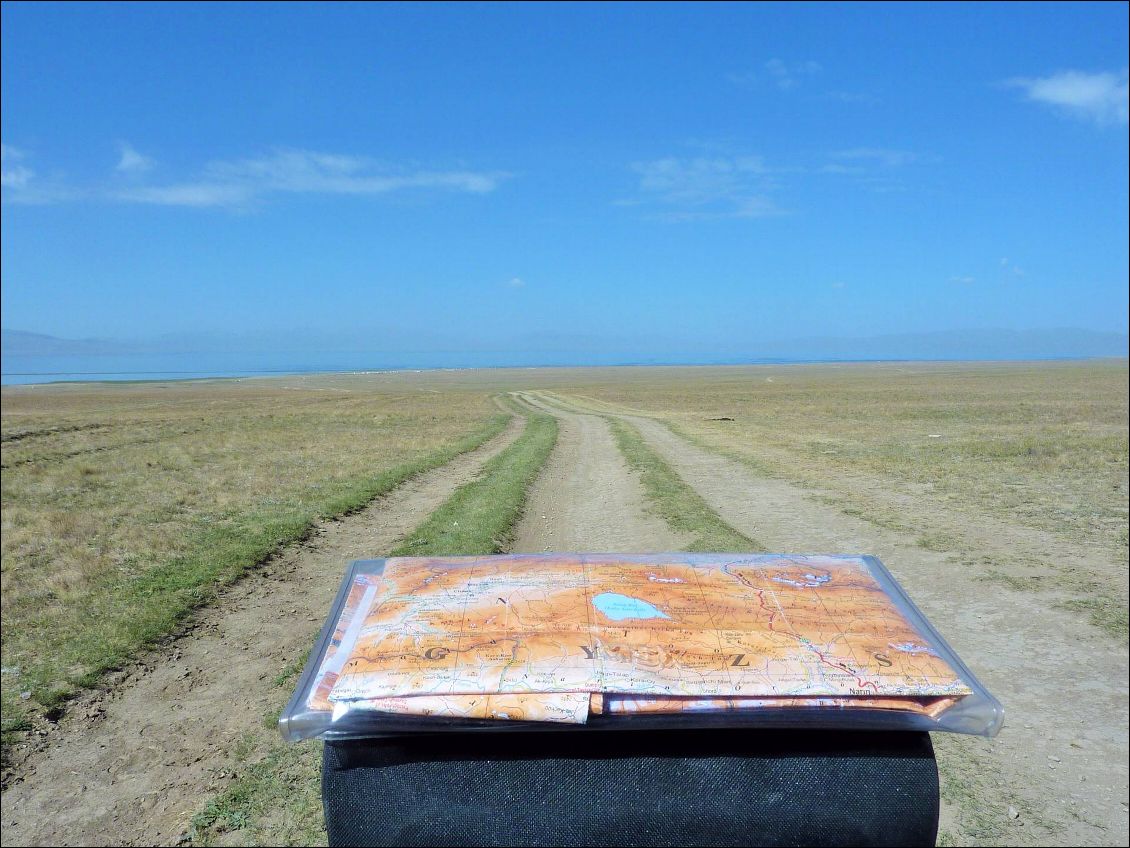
(735, 787)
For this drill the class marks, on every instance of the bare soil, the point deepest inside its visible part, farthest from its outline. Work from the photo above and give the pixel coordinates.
(1061, 760)
(131, 763)
(586, 498)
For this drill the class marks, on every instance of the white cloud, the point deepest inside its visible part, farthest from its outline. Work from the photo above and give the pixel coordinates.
(21, 185)
(697, 179)
(13, 174)
(1012, 268)
(787, 75)
(707, 187)
(859, 97)
(963, 280)
(516, 283)
(873, 168)
(132, 162)
(306, 171)
(242, 182)
(1098, 97)
(884, 157)
(188, 194)
(746, 79)
(784, 75)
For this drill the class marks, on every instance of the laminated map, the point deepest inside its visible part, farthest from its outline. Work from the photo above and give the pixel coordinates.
(563, 638)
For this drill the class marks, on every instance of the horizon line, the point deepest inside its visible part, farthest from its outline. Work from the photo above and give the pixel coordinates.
(189, 376)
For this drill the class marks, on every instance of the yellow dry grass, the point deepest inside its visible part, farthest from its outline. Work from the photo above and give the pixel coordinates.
(106, 485)
(1018, 469)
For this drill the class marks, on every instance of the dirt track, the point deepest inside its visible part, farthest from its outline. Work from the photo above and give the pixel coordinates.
(1063, 755)
(586, 498)
(135, 776)
(132, 764)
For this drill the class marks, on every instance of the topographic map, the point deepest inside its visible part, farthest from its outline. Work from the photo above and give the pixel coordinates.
(562, 637)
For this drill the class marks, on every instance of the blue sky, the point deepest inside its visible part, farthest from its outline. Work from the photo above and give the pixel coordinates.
(569, 176)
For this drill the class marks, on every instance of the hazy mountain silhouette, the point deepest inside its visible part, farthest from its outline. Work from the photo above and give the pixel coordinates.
(22, 343)
(528, 350)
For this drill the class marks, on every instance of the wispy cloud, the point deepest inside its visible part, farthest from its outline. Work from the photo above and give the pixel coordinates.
(781, 74)
(874, 168)
(859, 97)
(245, 182)
(21, 184)
(963, 280)
(132, 162)
(240, 182)
(1011, 267)
(788, 75)
(199, 194)
(707, 187)
(516, 283)
(881, 156)
(1098, 97)
(13, 173)
(305, 171)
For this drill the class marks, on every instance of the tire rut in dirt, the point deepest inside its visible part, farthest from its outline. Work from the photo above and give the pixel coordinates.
(1028, 653)
(131, 765)
(586, 498)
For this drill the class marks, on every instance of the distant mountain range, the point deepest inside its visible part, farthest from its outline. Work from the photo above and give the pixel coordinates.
(22, 343)
(1055, 343)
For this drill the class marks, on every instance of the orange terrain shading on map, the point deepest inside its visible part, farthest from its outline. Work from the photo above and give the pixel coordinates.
(651, 634)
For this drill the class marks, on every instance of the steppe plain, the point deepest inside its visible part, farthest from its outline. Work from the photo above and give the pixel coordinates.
(169, 551)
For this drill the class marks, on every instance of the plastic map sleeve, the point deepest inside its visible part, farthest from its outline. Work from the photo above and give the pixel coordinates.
(524, 641)
(362, 591)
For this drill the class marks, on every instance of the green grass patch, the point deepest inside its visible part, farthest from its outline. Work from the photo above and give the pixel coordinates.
(276, 800)
(292, 670)
(479, 517)
(59, 655)
(938, 542)
(1108, 614)
(968, 779)
(676, 502)
(12, 730)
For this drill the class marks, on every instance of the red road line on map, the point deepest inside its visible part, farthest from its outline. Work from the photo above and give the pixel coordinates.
(772, 615)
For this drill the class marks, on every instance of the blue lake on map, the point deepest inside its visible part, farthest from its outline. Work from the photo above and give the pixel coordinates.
(618, 607)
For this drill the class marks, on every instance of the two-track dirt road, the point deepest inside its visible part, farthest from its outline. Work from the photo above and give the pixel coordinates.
(136, 771)
(586, 499)
(1062, 758)
(131, 764)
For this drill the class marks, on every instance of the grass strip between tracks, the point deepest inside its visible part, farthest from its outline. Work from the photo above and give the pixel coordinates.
(128, 616)
(674, 500)
(479, 517)
(277, 798)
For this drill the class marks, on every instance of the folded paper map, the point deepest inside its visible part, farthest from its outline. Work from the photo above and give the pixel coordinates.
(559, 638)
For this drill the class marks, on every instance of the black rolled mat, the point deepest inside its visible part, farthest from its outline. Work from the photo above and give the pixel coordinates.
(669, 788)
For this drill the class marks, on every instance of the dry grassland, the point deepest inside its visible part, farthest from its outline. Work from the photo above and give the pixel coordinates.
(1018, 470)
(124, 505)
